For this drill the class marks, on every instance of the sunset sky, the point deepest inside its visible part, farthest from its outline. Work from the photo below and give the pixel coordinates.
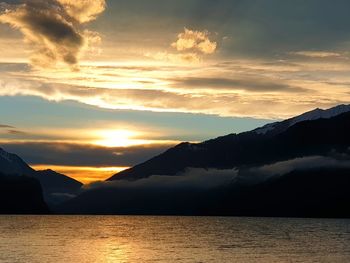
(89, 87)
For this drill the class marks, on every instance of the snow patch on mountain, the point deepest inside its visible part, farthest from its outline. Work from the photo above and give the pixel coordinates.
(5, 155)
(320, 114)
(266, 128)
(307, 116)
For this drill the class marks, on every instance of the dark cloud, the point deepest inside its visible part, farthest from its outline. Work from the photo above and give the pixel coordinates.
(253, 27)
(83, 155)
(15, 132)
(249, 84)
(52, 27)
(263, 28)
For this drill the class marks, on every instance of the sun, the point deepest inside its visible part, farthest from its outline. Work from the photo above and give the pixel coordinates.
(119, 138)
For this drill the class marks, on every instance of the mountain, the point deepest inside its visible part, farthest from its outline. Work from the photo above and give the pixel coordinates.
(56, 187)
(21, 195)
(318, 134)
(300, 167)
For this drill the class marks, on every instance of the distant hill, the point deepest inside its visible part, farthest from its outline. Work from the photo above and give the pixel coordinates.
(56, 187)
(298, 167)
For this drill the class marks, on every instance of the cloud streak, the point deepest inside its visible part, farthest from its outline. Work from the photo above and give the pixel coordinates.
(248, 84)
(4, 126)
(53, 28)
(10, 130)
(230, 88)
(317, 54)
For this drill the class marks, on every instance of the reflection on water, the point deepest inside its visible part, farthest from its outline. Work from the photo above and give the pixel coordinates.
(171, 239)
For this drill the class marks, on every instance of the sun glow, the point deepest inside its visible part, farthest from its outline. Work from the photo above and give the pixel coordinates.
(119, 138)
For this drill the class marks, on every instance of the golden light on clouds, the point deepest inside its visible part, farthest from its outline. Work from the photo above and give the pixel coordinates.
(235, 88)
(186, 73)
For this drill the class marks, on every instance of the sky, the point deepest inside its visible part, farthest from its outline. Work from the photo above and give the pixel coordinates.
(91, 87)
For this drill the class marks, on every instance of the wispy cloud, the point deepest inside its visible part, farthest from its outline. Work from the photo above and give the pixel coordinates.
(15, 132)
(10, 130)
(53, 28)
(317, 54)
(175, 57)
(248, 84)
(4, 126)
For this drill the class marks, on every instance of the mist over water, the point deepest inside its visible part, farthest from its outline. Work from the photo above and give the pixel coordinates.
(172, 239)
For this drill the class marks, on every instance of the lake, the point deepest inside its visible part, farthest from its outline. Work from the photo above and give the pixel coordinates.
(172, 239)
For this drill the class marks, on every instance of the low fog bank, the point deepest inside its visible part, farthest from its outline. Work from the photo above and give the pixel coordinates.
(285, 186)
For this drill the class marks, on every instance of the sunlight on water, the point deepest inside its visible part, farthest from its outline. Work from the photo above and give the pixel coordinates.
(171, 239)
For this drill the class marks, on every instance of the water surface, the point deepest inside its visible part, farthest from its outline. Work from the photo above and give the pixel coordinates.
(172, 239)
